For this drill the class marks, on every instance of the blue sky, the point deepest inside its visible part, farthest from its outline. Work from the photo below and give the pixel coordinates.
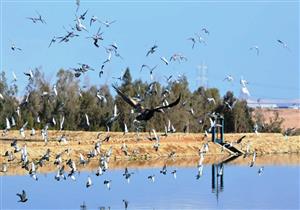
(234, 27)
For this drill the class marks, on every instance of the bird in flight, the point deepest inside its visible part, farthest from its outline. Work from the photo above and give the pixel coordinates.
(152, 50)
(229, 78)
(107, 23)
(193, 40)
(144, 114)
(205, 30)
(53, 40)
(93, 19)
(14, 48)
(37, 19)
(164, 60)
(79, 25)
(256, 48)
(200, 39)
(82, 17)
(283, 44)
(178, 57)
(23, 196)
(97, 37)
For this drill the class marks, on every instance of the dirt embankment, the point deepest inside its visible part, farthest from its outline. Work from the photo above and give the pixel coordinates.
(183, 145)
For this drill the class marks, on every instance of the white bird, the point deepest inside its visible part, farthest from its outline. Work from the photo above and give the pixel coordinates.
(107, 23)
(99, 171)
(108, 57)
(8, 127)
(255, 128)
(53, 121)
(200, 171)
(211, 100)
(245, 92)
(22, 130)
(81, 159)
(201, 154)
(38, 119)
(200, 39)
(253, 159)
(229, 78)
(243, 82)
(87, 120)
(1, 96)
(115, 111)
(32, 132)
(220, 172)
(18, 111)
(13, 122)
(152, 178)
(55, 90)
(174, 174)
(125, 129)
(79, 25)
(255, 47)
(164, 60)
(212, 124)
(61, 124)
(14, 77)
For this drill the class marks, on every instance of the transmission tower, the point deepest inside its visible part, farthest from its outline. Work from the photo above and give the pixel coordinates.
(202, 75)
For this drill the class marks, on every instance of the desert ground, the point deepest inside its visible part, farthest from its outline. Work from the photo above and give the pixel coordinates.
(291, 116)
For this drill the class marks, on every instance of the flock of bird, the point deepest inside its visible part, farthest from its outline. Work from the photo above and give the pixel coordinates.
(68, 168)
(143, 114)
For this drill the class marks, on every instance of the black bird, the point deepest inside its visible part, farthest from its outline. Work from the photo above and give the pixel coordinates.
(52, 41)
(107, 183)
(82, 17)
(144, 113)
(205, 31)
(22, 196)
(164, 170)
(240, 139)
(152, 49)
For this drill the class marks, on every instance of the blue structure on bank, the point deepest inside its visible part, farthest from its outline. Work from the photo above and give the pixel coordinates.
(218, 130)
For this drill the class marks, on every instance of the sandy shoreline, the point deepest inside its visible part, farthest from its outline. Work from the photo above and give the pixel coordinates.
(141, 152)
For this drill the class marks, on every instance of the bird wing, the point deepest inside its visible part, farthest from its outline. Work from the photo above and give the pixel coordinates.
(240, 139)
(127, 99)
(169, 105)
(84, 13)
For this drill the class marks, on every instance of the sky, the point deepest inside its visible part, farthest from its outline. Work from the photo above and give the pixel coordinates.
(234, 27)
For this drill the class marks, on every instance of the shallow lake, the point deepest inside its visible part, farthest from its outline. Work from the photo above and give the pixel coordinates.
(238, 187)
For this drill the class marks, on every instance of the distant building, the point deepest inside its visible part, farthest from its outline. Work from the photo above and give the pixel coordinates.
(274, 103)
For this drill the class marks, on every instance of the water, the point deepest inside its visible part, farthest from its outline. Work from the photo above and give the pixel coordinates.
(242, 188)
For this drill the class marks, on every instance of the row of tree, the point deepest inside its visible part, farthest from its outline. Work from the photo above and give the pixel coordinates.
(73, 103)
